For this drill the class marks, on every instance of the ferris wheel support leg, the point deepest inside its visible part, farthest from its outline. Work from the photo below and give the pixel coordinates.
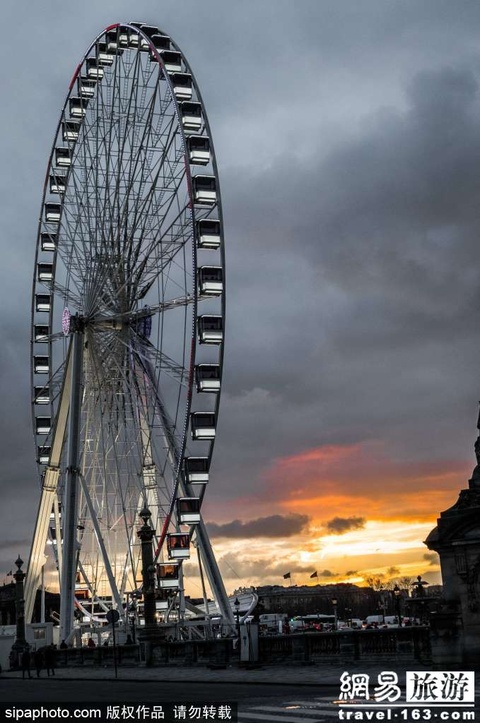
(48, 501)
(37, 553)
(213, 573)
(70, 544)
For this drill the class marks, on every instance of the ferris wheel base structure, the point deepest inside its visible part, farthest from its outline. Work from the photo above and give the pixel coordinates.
(128, 327)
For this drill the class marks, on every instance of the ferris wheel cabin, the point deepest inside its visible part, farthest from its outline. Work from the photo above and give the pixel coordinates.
(196, 470)
(168, 574)
(48, 241)
(43, 454)
(205, 190)
(70, 130)
(43, 302)
(178, 545)
(188, 510)
(104, 55)
(45, 272)
(208, 231)
(52, 212)
(210, 329)
(63, 158)
(94, 69)
(199, 150)
(191, 114)
(42, 395)
(58, 184)
(207, 377)
(41, 364)
(78, 107)
(40, 334)
(210, 280)
(86, 87)
(182, 85)
(203, 425)
(43, 425)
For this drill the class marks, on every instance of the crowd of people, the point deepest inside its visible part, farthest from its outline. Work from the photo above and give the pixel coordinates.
(41, 658)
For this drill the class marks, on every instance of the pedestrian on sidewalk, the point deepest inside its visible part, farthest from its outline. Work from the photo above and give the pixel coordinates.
(50, 659)
(25, 661)
(38, 660)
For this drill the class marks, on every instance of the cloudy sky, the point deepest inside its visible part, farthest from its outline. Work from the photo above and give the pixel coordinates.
(348, 141)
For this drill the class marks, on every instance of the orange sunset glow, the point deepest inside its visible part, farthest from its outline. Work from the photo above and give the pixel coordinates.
(361, 514)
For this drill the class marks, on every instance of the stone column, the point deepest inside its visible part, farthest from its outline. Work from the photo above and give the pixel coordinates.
(20, 640)
(147, 634)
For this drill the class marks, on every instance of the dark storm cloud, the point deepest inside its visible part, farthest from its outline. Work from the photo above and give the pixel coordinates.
(382, 313)
(340, 525)
(237, 567)
(273, 526)
(393, 570)
(12, 544)
(431, 558)
(327, 573)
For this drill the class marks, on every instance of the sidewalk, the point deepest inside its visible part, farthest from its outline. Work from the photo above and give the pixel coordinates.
(323, 675)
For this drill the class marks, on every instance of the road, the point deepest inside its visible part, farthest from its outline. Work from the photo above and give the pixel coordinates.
(257, 702)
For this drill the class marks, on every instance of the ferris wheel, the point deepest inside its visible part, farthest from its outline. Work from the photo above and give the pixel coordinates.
(128, 311)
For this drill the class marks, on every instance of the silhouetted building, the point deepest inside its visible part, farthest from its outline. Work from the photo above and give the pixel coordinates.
(7, 605)
(351, 600)
(457, 541)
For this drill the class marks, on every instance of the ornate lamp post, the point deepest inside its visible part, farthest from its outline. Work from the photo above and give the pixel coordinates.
(397, 593)
(348, 614)
(145, 534)
(335, 622)
(382, 605)
(20, 640)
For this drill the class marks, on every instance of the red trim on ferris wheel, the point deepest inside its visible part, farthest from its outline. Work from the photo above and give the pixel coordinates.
(75, 76)
(163, 534)
(111, 27)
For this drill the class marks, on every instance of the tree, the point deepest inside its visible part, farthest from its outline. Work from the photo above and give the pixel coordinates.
(375, 582)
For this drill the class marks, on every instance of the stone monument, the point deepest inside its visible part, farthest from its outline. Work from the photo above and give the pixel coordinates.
(456, 538)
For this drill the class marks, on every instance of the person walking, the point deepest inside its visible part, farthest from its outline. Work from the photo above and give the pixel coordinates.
(38, 660)
(50, 659)
(25, 661)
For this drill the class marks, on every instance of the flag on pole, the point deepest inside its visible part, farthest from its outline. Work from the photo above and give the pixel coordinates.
(314, 574)
(287, 576)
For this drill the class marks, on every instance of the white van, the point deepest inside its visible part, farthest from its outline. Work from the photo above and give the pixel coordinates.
(271, 623)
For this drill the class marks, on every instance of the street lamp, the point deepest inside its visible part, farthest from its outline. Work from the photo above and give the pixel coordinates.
(236, 604)
(382, 606)
(396, 592)
(348, 615)
(145, 534)
(335, 622)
